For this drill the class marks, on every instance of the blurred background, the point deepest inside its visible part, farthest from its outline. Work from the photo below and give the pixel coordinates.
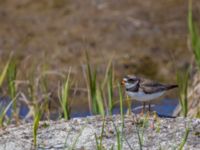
(146, 38)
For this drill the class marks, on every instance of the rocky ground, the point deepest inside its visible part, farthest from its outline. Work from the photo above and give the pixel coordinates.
(79, 133)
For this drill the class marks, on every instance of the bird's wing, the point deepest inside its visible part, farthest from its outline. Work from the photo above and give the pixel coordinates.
(150, 87)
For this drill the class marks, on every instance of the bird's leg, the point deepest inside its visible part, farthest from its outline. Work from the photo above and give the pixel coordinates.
(149, 110)
(129, 105)
(149, 106)
(143, 109)
(155, 121)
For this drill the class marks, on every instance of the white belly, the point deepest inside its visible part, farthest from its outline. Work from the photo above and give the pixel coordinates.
(141, 96)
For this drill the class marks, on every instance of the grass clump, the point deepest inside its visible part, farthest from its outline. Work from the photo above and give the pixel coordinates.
(92, 85)
(99, 144)
(99, 104)
(63, 95)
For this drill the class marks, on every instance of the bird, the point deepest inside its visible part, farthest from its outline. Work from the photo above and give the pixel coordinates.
(144, 90)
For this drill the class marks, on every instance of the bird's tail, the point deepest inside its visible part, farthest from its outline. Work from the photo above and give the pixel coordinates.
(171, 86)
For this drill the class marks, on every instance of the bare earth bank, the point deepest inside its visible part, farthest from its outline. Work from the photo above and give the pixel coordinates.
(164, 133)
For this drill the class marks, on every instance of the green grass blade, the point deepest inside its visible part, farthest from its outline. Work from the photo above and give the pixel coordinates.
(4, 72)
(108, 69)
(36, 121)
(112, 147)
(97, 142)
(119, 136)
(3, 113)
(110, 90)
(12, 72)
(91, 79)
(76, 139)
(100, 102)
(11, 75)
(129, 145)
(102, 131)
(139, 138)
(184, 139)
(94, 93)
(182, 80)
(194, 35)
(121, 104)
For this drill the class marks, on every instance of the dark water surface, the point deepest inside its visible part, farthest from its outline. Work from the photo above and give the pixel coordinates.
(164, 108)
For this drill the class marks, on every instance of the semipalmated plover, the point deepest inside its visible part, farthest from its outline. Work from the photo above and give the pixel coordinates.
(144, 90)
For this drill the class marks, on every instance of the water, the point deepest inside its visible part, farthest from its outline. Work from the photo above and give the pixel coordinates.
(164, 107)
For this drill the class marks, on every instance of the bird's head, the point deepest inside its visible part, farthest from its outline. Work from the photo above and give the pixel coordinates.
(130, 81)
